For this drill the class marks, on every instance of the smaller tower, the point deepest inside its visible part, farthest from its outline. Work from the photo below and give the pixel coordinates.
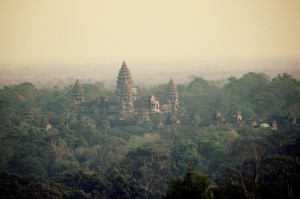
(172, 94)
(78, 97)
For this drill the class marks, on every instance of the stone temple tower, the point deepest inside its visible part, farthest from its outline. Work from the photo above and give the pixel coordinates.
(125, 92)
(172, 94)
(78, 97)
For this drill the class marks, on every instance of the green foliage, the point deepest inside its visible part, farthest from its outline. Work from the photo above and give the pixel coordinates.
(84, 185)
(120, 159)
(15, 186)
(150, 166)
(113, 150)
(122, 185)
(186, 153)
(191, 185)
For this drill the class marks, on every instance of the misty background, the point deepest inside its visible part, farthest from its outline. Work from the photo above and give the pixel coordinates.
(144, 73)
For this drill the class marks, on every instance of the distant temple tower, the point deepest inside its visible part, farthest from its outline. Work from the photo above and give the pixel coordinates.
(172, 94)
(125, 91)
(78, 97)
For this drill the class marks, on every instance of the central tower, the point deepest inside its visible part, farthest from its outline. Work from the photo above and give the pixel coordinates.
(125, 92)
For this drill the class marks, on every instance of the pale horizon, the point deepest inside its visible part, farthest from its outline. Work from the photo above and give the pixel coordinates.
(81, 32)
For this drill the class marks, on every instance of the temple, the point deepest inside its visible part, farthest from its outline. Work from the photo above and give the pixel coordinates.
(78, 96)
(173, 96)
(129, 105)
(125, 92)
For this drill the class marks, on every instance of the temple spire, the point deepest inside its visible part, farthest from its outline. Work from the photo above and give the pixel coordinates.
(124, 91)
(172, 94)
(78, 96)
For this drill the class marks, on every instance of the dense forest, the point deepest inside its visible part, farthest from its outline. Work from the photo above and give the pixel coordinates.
(48, 150)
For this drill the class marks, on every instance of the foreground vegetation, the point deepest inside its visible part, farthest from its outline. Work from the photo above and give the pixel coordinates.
(92, 156)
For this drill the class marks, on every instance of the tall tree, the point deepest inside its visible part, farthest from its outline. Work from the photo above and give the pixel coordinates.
(192, 185)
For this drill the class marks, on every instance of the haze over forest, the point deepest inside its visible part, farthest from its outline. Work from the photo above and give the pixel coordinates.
(145, 73)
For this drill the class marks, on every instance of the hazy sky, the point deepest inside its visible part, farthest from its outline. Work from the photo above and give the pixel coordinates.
(91, 31)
